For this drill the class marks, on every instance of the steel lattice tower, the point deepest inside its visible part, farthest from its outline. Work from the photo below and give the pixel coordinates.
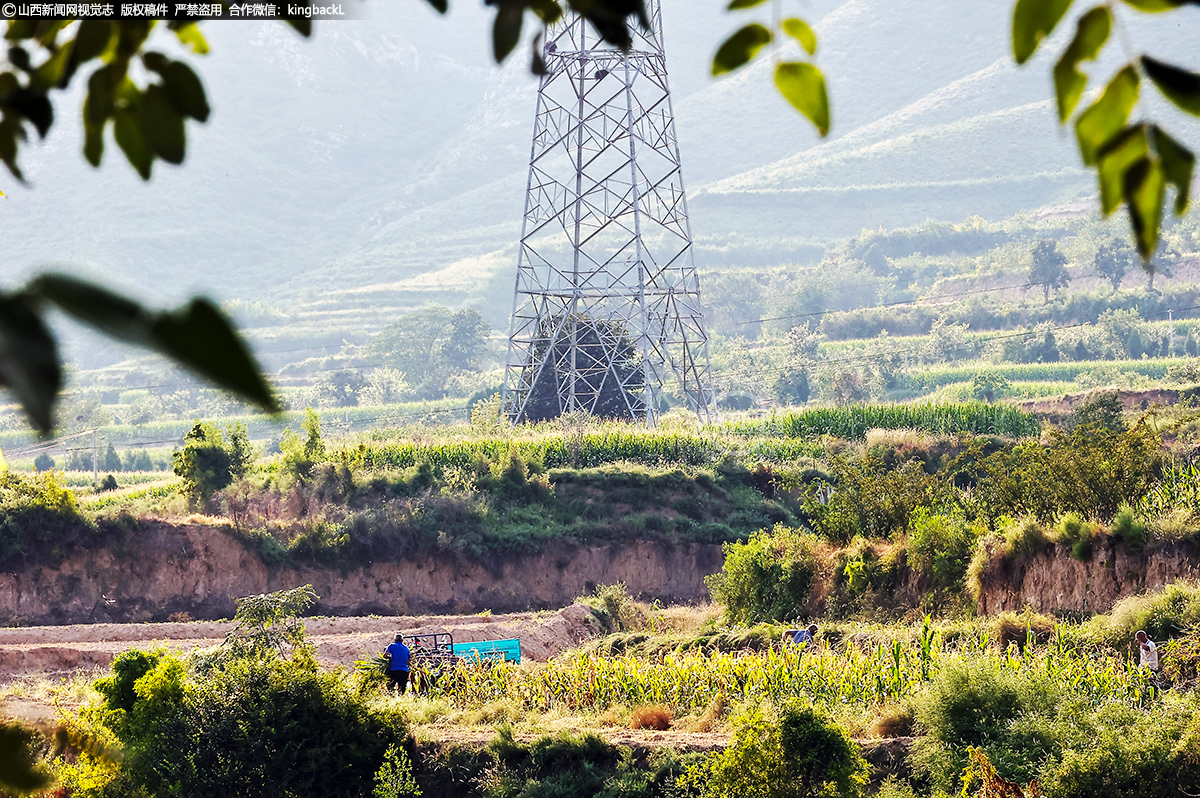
(607, 300)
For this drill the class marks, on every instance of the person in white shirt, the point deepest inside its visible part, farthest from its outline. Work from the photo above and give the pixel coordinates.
(1148, 652)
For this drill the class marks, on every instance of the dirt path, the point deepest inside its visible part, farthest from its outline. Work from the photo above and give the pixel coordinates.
(636, 739)
(55, 650)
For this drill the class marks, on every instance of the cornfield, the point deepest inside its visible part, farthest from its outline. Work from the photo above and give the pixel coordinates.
(688, 682)
(562, 449)
(854, 421)
(1179, 487)
(930, 378)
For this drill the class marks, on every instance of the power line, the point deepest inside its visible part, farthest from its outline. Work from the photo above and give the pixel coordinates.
(984, 339)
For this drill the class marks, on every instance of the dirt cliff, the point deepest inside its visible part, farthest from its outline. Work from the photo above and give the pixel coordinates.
(199, 570)
(1052, 581)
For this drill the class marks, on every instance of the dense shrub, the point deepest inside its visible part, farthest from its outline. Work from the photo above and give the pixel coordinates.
(977, 704)
(1091, 472)
(940, 545)
(251, 726)
(771, 576)
(790, 752)
(210, 461)
(872, 500)
(568, 766)
(39, 520)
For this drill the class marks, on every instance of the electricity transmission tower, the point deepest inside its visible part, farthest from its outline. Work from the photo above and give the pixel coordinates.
(607, 300)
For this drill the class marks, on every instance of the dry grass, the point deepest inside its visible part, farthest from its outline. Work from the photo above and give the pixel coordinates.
(653, 716)
(894, 720)
(683, 619)
(896, 438)
(709, 719)
(1011, 627)
(1178, 524)
(616, 715)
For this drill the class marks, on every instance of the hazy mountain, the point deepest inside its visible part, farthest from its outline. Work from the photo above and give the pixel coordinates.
(381, 165)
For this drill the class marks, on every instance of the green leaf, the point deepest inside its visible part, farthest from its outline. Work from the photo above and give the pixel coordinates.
(20, 29)
(1180, 86)
(101, 94)
(440, 5)
(128, 134)
(1090, 35)
(1034, 20)
(29, 365)
(1145, 190)
(1107, 116)
(93, 304)
(53, 69)
(1178, 165)
(799, 30)
(92, 39)
(740, 48)
(161, 125)
(34, 106)
(735, 5)
(1114, 160)
(184, 90)
(506, 29)
(190, 36)
(198, 336)
(803, 86)
(203, 339)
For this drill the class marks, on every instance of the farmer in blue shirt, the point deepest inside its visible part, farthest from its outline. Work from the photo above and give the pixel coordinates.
(397, 656)
(804, 638)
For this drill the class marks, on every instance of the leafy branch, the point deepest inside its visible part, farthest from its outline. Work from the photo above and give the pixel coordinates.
(1137, 160)
(198, 336)
(800, 82)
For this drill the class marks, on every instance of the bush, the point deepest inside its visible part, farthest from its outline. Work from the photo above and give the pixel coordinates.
(39, 520)
(974, 703)
(208, 462)
(1128, 528)
(1077, 533)
(248, 723)
(615, 608)
(655, 717)
(940, 546)
(768, 577)
(792, 752)
(1091, 472)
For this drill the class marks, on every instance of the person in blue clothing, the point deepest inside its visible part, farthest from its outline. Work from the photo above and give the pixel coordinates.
(397, 656)
(805, 638)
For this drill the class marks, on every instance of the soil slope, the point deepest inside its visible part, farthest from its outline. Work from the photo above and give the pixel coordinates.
(201, 569)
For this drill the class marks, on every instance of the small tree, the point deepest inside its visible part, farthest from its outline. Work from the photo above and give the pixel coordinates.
(299, 456)
(112, 460)
(1113, 260)
(241, 452)
(269, 625)
(203, 464)
(1048, 268)
(988, 385)
(43, 462)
